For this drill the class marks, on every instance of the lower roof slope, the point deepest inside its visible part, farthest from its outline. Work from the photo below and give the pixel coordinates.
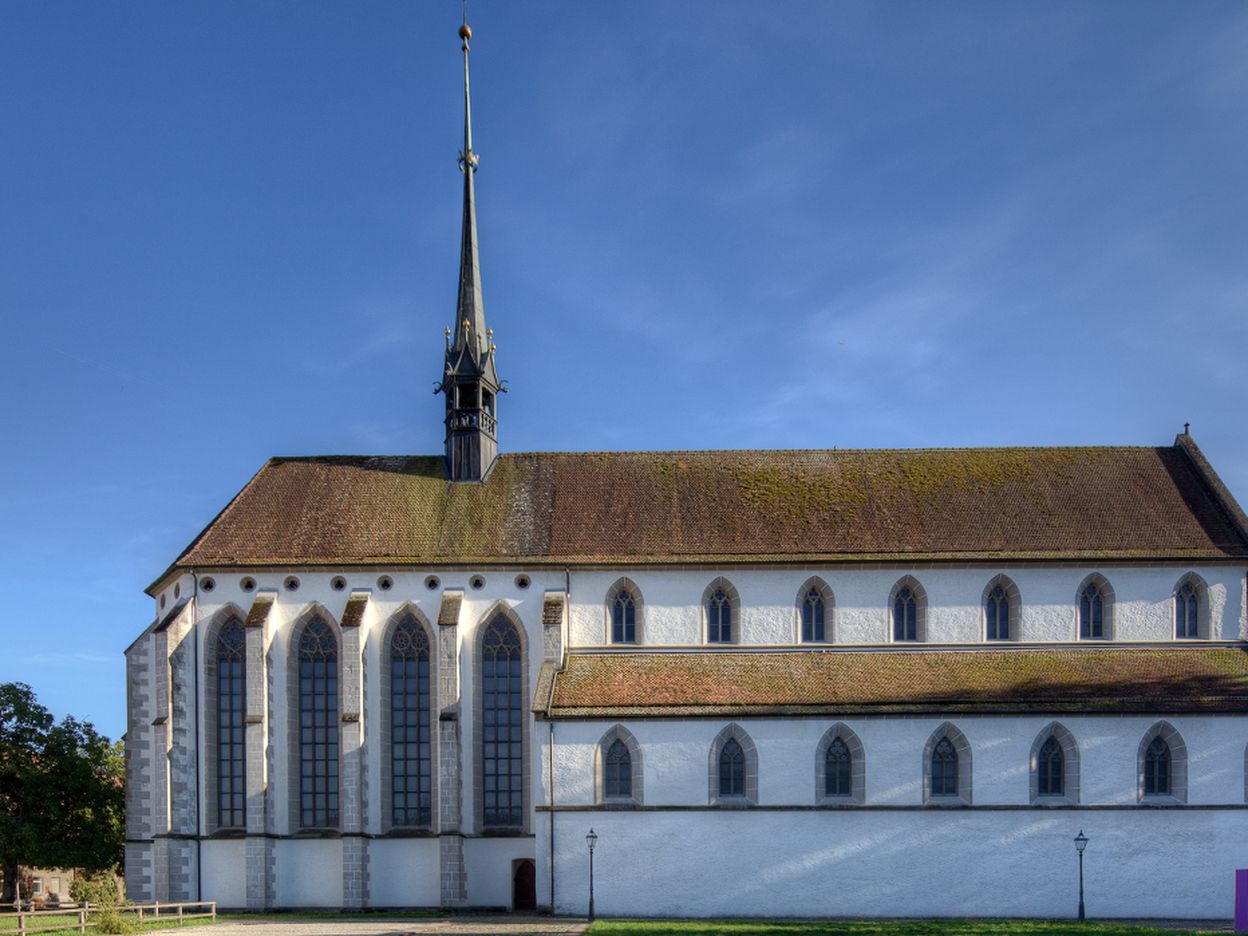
(1116, 680)
(720, 507)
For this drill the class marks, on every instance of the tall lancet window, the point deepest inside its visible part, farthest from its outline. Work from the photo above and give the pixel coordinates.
(623, 618)
(837, 775)
(944, 769)
(719, 617)
(905, 615)
(1157, 768)
(1186, 612)
(318, 727)
(1092, 613)
(618, 767)
(502, 726)
(997, 613)
(410, 749)
(812, 616)
(1051, 769)
(731, 769)
(231, 713)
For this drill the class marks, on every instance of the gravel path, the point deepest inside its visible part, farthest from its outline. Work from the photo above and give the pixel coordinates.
(470, 925)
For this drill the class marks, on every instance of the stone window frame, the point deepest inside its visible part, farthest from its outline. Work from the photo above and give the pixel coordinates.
(1014, 606)
(1204, 616)
(920, 610)
(829, 610)
(857, 767)
(1178, 766)
(211, 632)
(613, 734)
(407, 609)
(1070, 766)
(1108, 601)
(478, 725)
(293, 764)
(734, 612)
(625, 584)
(965, 766)
(742, 737)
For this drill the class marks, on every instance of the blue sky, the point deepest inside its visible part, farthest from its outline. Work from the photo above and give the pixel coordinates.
(229, 231)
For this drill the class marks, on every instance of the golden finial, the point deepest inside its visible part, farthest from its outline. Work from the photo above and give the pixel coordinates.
(447, 331)
(489, 333)
(465, 32)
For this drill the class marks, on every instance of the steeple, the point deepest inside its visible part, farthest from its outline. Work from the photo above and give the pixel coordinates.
(469, 380)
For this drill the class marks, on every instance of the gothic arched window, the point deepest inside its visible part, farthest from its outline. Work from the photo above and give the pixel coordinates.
(944, 768)
(618, 770)
(837, 774)
(318, 726)
(812, 616)
(719, 617)
(731, 769)
(905, 615)
(624, 618)
(502, 726)
(997, 613)
(231, 716)
(411, 787)
(1157, 768)
(1186, 611)
(1051, 769)
(1092, 612)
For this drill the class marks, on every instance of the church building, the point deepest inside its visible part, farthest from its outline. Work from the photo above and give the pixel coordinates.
(824, 683)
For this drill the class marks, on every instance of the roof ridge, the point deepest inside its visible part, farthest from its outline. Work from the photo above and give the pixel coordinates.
(603, 453)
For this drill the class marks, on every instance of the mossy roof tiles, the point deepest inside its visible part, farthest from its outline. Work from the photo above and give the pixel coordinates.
(728, 506)
(891, 682)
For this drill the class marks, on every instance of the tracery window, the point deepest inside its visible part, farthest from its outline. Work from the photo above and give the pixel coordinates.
(618, 770)
(812, 616)
(1157, 768)
(837, 773)
(731, 769)
(1051, 769)
(411, 787)
(502, 726)
(318, 726)
(1186, 611)
(719, 617)
(944, 769)
(905, 615)
(997, 613)
(1092, 613)
(231, 715)
(624, 618)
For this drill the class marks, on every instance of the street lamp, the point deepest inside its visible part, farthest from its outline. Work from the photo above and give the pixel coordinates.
(591, 840)
(1081, 842)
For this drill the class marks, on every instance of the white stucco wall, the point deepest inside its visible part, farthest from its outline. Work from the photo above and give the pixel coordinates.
(1139, 863)
(223, 881)
(308, 873)
(1143, 607)
(403, 872)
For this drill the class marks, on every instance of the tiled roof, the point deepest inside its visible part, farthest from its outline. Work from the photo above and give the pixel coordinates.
(869, 682)
(724, 507)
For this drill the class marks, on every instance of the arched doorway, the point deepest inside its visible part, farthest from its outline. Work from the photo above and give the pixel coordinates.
(523, 885)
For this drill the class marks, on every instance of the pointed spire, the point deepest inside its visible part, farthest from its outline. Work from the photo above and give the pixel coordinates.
(470, 309)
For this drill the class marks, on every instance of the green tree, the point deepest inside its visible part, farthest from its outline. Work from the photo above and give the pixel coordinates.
(62, 800)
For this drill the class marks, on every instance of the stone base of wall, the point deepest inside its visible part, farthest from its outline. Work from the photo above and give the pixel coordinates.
(354, 872)
(140, 886)
(261, 860)
(452, 875)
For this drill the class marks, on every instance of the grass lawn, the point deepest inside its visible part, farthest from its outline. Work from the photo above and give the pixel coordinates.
(871, 928)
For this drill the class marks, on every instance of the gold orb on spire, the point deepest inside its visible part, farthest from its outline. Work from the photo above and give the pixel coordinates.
(464, 32)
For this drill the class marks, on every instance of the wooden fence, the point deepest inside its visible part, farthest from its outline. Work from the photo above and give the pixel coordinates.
(77, 916)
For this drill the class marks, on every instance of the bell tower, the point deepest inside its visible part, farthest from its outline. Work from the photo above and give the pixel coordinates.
(469, 380)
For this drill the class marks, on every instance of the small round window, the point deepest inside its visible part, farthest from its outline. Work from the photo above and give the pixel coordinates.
(248, 584)
(385, 583)
(208, 584)
(522, 581)
(338, 583)
(432, 582)
(291, 583)
(477, 582)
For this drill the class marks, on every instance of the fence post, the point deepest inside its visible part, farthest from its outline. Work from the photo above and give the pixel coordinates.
(140, 914)
(179, 914)
(82, 920)
(214, 911)
(21, 923)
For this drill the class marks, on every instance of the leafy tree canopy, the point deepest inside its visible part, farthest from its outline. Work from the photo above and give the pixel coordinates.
(62, 801)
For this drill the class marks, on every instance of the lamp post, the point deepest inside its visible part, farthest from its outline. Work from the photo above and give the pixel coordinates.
(1081, 842)
(591, 840)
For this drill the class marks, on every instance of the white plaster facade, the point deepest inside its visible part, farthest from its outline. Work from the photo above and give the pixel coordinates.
(675, 853)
